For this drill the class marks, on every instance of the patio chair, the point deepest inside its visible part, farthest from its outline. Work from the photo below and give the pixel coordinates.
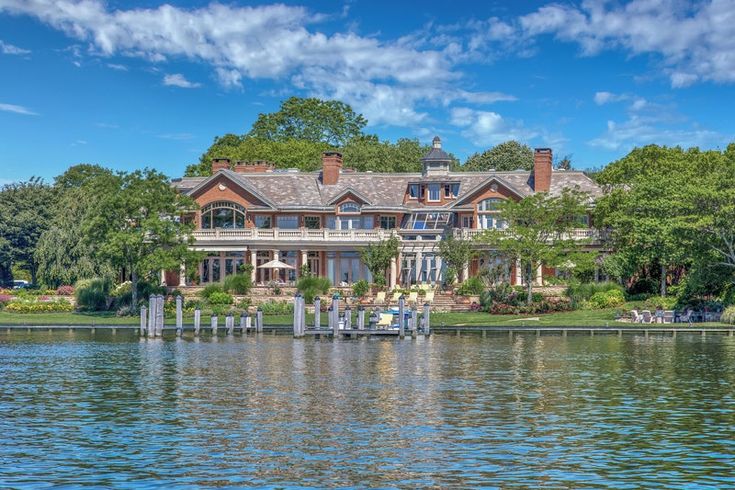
(413, 297)
(396, 296)
(635, 317)
(668, 316)
(380, 298)
(687, 317)
(646, 316)
(429, 298)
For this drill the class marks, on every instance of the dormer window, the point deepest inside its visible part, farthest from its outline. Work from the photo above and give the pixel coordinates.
(451, 191)
(414, 191)
(349, 207)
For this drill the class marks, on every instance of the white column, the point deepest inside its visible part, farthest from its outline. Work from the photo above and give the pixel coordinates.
(438, 262)
(276, 272)
(254, 263)
(419, 266)
(540, 276)
(393, 272)
(182, 275)
(519, 276)
(163, 277)
(304, 259)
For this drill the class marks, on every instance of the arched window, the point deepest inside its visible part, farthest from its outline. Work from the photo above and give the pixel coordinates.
(223, 214)
(487, 216)
(349, 207)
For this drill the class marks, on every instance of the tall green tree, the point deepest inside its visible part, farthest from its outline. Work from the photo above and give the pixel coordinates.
(538, 231)
(62, 255)
(377, 258)
(510, 155)
(26, 209)
(456, 254)
(315, 120)
(648, 207)
(137, 226)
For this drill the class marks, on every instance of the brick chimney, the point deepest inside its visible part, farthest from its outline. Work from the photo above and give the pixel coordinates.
(220, 164)
(542, 169)
(259, 166)
(331, 166)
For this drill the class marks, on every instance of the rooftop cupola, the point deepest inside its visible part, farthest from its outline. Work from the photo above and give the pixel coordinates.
(437, 161)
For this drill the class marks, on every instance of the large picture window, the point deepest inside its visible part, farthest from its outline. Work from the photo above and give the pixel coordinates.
(223, 214)
(487, 216)
(288, 221)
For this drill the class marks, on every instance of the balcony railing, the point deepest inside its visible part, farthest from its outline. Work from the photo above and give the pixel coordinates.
(301, 234)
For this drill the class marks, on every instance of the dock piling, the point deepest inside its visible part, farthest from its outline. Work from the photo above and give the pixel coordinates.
(159, 316)
(230, 324)
(335, 316)
(259, 320)
(427, 319)
(197, 321)
(317, 313)
(143, 318)
(213, 324)
(361, 317)
(242, 322)
(414, 321)
(401, 317)
(348, 317)
(298, 315)
(151, 329)
(179, 315)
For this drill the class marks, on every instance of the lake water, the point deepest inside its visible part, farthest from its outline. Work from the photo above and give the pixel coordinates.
(81, 409)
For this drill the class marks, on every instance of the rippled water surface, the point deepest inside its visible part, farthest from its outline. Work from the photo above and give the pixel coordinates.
(81, 409)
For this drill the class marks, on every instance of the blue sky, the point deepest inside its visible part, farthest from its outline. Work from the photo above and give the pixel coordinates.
(133, 84)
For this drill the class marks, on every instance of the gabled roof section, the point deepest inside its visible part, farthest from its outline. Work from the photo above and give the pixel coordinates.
(346, 192)
(236, 179)
(486, 183)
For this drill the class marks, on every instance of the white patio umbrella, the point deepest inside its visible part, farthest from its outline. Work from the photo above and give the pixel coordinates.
(275, 264)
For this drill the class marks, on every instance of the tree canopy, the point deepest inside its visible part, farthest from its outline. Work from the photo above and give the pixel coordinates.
(318, 121)
(378, 256)
(510, 155)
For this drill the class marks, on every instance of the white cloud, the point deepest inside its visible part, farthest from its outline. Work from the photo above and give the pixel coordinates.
(486, 128)
(693, 41)
(117, 67)
(178, 80)
(386, 80)
(6, 48)
(18, 109)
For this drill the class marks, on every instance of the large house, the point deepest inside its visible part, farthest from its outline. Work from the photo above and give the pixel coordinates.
(253, 213)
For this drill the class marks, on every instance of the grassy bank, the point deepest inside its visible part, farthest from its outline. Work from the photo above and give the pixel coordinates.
(580, 318)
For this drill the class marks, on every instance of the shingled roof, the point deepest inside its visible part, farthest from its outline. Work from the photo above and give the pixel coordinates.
(304, 190)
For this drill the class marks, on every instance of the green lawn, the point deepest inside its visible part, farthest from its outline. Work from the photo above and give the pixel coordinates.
(580, 318)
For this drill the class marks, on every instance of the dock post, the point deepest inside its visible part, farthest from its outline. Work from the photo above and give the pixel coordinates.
(248, 322)
(242, 322)
(317, 313)
(213, 324)
(427, 319)
(179, 315)
(414, 321)
(151, 330)
(348, 318)
(259, 320)
(361, 317)
(159, 316)
(401, 319)
(330, 318)
(143, 318)
(335, 316)
(230, 323)
(197, 321)
(298, 301)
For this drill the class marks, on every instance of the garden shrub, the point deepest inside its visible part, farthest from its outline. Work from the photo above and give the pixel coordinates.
(607, 299)
(471, 287)
(65, 291)
(664, 302)
(5, 299)
(360, 288)
(209, 290)
(276, 308)
(238, 284)
(312, 286)
(219, 298)
(580, 293)
(92, 294)
(728, 316)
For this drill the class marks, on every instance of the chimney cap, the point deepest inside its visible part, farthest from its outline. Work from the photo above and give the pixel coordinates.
(332, 154)
(543, 150)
